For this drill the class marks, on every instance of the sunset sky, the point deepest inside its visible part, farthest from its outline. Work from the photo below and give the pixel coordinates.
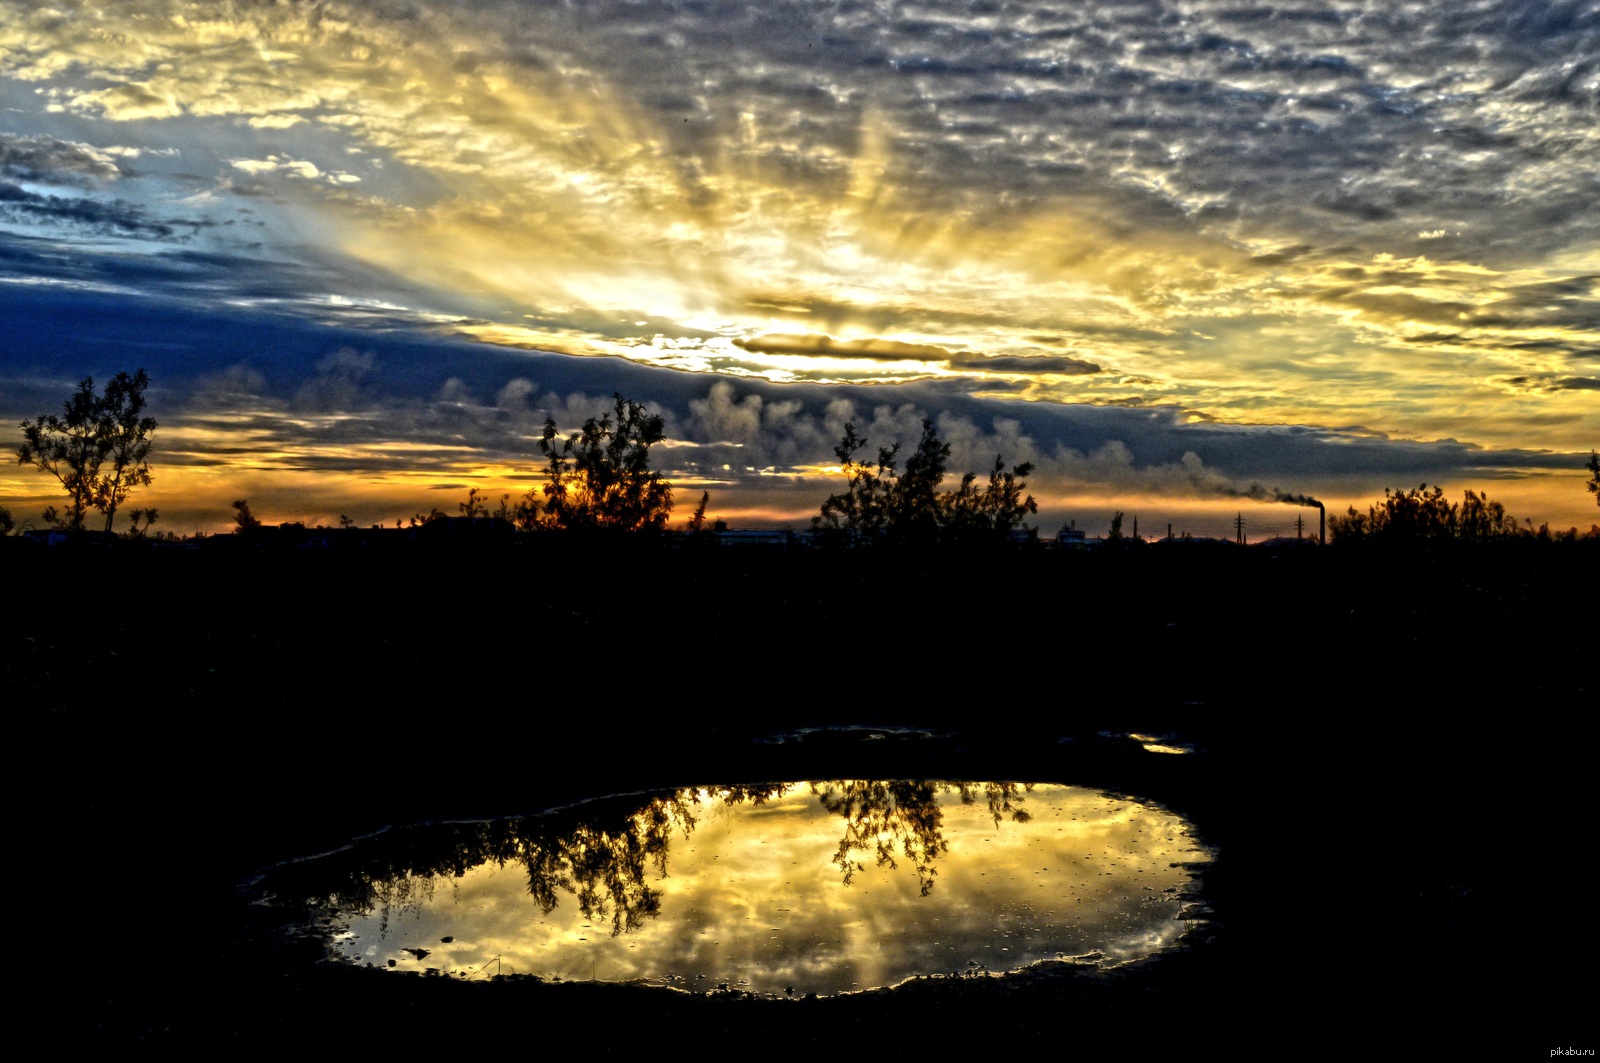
(1174, 253)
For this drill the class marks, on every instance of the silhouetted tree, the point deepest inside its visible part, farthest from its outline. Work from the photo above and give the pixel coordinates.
(139, 521)
(1479, 520)
(992, 514)
(883, 505)
(126, 432)
(6, 523)
(70, 448)
(860, 514)
(697, 523)
(242, 516)
(528, 513)
(1423, 514)
(599, 477)
(1593, 465)
(914, 509)
(98, 449)
(474, 506)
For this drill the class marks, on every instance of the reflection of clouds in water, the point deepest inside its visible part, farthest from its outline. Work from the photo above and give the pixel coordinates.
(753, 897)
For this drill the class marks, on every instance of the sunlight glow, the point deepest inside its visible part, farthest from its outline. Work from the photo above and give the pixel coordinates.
(1387, 234)
(823, 888)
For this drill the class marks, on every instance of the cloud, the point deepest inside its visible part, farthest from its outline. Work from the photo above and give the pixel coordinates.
(1112, 466)
(1159, 122)
(278, 164)
(756, 432)
(47, 160)
(1304, 214)
(108, 217)
(826, 345)
(1555, 383)
(283, 166)
(338, 385)
(128, 102)
(277, 121)
(1031, 364)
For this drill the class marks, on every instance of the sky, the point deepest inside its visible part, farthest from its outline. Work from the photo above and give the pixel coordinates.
(1185, 257)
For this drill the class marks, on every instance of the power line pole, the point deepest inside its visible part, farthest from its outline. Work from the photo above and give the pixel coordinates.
(1238, 529)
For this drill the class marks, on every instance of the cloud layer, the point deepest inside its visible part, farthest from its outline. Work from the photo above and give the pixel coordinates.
(1377, 223)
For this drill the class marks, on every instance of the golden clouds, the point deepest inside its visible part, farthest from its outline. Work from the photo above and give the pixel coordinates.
(549, 189)
(679, 193)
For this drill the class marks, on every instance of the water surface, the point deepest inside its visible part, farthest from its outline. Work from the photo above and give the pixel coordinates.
(787, 889)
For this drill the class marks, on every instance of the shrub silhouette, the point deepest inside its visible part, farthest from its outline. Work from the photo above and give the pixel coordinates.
(885, 505)
(599, 477)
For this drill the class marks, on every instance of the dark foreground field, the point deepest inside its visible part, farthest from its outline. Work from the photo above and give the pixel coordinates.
(1393, 767)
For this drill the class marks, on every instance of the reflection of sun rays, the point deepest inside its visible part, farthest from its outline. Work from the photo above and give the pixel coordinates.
(754, 899)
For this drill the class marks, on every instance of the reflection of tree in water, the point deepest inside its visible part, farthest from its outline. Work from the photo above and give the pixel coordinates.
(604, 865)
(883, 818)
(1003, 798)
(399, 895)
(604, 854)
(602, 859)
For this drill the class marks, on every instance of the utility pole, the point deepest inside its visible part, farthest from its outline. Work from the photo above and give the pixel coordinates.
(1299, 526)
(1238, 529)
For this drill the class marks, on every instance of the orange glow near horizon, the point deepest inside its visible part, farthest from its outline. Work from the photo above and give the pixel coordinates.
(197, 499)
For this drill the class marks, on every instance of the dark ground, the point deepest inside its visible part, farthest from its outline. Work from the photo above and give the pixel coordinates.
(1393, 769)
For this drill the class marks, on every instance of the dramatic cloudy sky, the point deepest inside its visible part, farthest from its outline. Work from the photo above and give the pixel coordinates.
(1175, 252)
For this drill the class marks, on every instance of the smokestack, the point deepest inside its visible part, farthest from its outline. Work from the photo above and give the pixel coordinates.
(1257, 491)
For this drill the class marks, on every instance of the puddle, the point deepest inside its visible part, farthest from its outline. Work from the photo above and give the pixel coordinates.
(786, 889)
(1160, 743)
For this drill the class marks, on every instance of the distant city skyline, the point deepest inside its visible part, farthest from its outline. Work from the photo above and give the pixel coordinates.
(1180, 256)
